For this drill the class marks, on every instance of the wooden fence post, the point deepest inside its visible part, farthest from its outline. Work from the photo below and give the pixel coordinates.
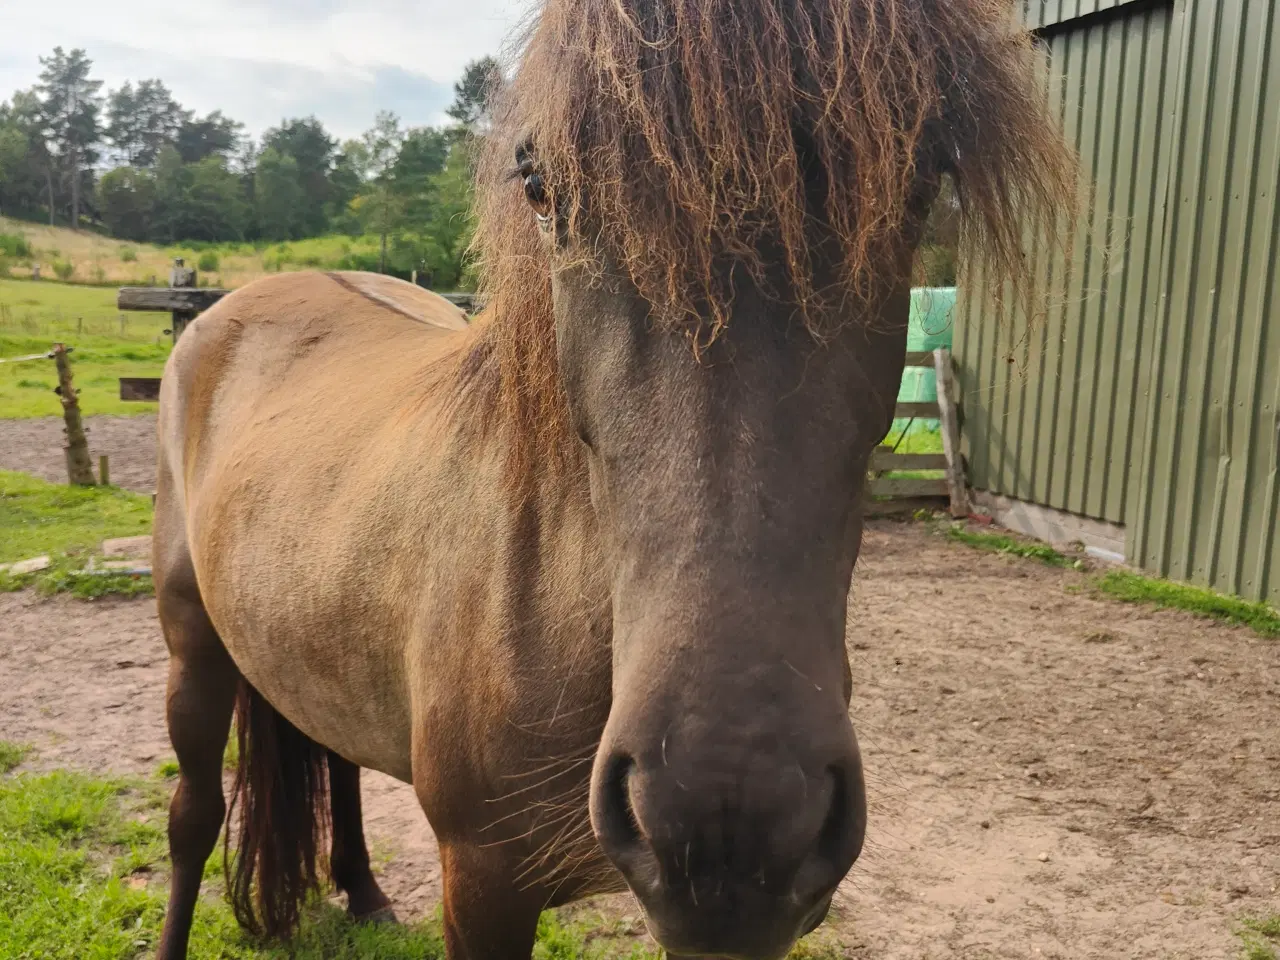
(79, 466)
(182, 276)
(950, 422)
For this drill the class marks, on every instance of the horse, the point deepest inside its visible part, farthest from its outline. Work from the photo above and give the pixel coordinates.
(578, 569)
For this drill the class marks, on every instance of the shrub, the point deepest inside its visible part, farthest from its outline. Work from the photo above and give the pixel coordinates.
(128, 255)
(64, 269)
(13, 245)
(208, 262)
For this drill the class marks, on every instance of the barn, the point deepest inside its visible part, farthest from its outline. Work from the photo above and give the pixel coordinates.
(1140, 414)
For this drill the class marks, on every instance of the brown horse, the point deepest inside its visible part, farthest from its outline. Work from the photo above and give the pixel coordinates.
(578, 571)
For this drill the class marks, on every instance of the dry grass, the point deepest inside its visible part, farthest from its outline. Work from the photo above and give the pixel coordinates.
(90, 258)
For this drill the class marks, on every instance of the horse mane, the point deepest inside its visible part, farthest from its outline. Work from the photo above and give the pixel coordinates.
(684, 130)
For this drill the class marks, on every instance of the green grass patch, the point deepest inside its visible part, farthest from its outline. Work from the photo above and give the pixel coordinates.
(1000, 543)
(38, 517)
(12, 754)
(1134, 588)
(84, 874)
(108, 345)
(1261, 938)
(906, 436)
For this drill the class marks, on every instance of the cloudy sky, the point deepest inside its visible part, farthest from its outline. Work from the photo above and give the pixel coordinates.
(262, 60)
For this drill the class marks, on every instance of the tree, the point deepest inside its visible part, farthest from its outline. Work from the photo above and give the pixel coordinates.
(14, 147)
(173, 182)
(382, 207)
(345, 182)
(278, 195)
(127, 202)
(312, 149)
(213, 135)
(71, 105)
(421, 157)
(26, 183)
(141, 121)
(473, 94)
(215, 206)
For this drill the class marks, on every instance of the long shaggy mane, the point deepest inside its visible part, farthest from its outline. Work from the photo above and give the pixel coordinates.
(680, 136)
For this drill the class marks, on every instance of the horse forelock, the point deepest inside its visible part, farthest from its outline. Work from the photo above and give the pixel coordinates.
(676, 136)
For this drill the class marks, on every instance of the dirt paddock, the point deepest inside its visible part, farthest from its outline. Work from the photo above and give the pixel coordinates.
(1051, 775)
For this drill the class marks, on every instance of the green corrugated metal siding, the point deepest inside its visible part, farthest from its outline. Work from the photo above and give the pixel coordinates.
(1207, 505)
(1053, 409)
(1046, 13)
(1144, 396)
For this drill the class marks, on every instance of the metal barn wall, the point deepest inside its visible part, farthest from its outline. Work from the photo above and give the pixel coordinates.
(1206, 508)
(1145, 396)
(1053, 409)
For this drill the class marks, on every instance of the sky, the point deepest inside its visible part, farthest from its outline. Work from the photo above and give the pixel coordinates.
(260, 61)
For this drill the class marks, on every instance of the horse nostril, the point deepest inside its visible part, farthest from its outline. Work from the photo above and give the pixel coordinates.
(619, 827)
(840, 839)
(836, 825)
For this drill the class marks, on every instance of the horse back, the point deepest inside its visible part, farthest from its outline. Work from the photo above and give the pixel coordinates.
(285, 412)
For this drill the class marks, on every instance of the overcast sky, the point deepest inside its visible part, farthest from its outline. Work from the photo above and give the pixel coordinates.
(262, 60)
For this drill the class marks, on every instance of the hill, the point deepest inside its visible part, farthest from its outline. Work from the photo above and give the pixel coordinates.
(79, 256)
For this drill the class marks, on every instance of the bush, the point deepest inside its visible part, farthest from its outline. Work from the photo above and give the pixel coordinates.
(208, 262)
(64, 269)
(128, 255)
(13, 245)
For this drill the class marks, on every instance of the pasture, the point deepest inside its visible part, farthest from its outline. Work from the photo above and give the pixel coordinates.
(108, 345)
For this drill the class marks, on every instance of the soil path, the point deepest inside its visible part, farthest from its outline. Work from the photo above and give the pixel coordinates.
(35, 446)
(1051, 775)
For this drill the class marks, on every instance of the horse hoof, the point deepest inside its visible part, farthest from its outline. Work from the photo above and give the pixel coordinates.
(383, 915)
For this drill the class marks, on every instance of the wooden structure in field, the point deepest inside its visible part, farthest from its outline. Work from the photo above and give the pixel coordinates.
(186, 301)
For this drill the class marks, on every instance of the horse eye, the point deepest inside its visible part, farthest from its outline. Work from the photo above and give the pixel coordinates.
(536, 192)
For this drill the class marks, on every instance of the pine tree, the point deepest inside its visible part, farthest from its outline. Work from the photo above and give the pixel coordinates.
(71, 108)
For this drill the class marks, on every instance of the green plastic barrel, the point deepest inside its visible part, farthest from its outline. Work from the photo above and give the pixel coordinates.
(930, 327)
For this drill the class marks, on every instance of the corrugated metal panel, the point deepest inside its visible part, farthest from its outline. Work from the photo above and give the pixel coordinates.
(1053, 409)
(1145, 396)
(1207, 510)
(1038, 14)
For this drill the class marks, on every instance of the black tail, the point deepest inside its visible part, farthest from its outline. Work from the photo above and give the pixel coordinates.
(281, 789)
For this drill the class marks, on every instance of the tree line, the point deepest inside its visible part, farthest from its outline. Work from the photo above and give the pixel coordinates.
(137, 164)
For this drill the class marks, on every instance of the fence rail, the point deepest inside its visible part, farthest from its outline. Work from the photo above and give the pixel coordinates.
(186, 301)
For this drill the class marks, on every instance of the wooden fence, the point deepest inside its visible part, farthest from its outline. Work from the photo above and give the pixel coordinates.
(889, 494)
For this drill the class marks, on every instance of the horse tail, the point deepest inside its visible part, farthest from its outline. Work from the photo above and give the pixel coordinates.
(281, 790)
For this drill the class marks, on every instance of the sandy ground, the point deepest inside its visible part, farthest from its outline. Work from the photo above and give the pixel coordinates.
(35, 446)
(1051, 775)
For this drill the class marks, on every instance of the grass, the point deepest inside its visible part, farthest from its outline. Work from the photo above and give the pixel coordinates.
(1000, 543)
(12, 754)
(38, 517)
(68, 523)
(1134, 588)
(33, 316)
(1261, 938)
(90, 258)
(84, 874)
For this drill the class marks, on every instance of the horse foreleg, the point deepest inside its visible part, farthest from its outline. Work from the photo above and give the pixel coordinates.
(486, 917)
(349, 855)
(200, 698)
